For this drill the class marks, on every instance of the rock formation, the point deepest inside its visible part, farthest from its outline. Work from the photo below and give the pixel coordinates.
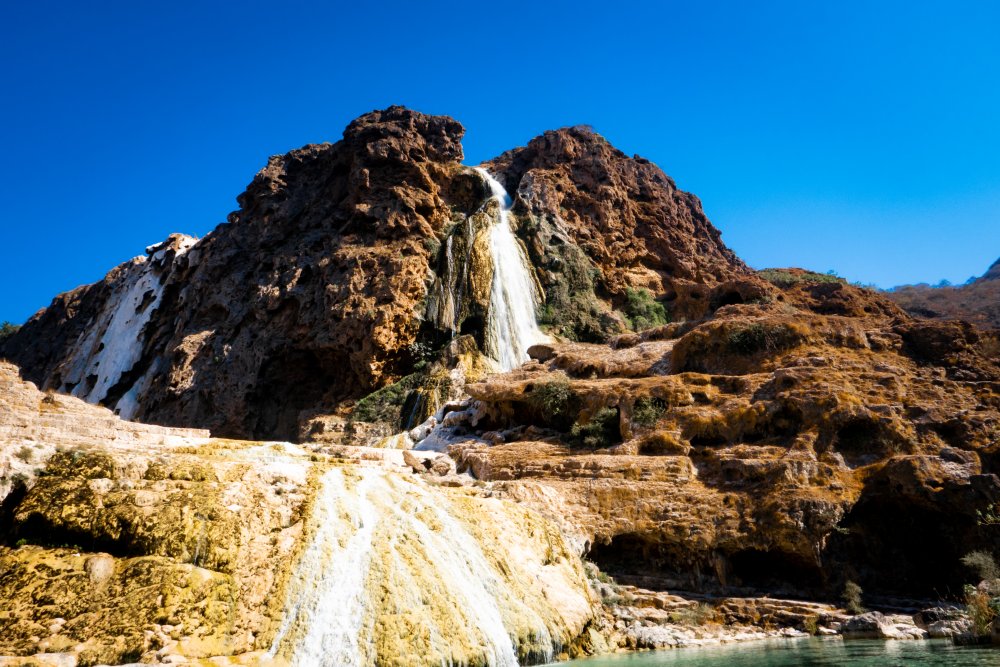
(769, 448)
(682, 421)
(327, 283)
(977, 301)
(123, 541)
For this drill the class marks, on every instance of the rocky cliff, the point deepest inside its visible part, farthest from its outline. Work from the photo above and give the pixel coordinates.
(322, 287)
(977, 301)
(680, 420)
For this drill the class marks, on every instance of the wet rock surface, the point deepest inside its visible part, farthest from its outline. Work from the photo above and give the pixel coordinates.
(123, 542)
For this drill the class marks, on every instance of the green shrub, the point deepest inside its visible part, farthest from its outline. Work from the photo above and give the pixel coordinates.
(385, 405)
(983, 564)
(433, 246)
(8, 329)
(989, 516)
(643, 311)
(699, 614)
(648, 410)
(783, 278)
(759, 337)
(602, 430)
(982, 610)
(552, 398)
(811, 624)
(852, 598)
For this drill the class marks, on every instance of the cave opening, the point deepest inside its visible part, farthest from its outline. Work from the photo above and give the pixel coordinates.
(633, 559)
(773, 571)
(39, 530)
(288, 382)
(897, 548)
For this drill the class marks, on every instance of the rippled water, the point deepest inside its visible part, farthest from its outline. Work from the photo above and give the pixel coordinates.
(808, 652)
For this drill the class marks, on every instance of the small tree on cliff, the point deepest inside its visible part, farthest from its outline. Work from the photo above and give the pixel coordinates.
(8, 329)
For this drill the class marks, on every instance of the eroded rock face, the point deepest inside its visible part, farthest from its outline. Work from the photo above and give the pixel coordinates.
(122, 542)
(769, 448)
(627, 218)
(349, 264)
(310, 294)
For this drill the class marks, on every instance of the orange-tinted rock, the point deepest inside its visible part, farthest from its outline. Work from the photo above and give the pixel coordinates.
(771, 448)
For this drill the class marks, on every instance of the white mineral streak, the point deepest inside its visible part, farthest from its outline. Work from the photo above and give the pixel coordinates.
(112, 345)
(399, 569)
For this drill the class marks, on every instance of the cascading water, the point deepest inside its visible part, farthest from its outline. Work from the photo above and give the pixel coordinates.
(511, 327)
(396, 570)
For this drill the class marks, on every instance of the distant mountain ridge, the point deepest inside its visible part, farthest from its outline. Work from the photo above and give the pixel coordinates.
(978, 301)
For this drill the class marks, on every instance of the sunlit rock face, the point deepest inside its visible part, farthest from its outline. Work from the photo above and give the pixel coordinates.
(772, 448)
(399, 573)
(348, 265)
(560, 347)
(124, 542)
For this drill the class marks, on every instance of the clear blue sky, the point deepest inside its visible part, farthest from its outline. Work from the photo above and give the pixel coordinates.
(857, 136)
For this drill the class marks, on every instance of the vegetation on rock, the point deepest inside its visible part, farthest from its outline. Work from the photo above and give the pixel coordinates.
(8, 329)
(982, 564)
(642, 310)
(787, 278)
(983, 608)
(600, 431)
(852, 598)
(386, 404)
(648, 410)
(552, 398)
(762, 337)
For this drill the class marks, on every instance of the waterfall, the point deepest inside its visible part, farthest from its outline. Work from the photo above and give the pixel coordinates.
(395, 569)
(511, 327)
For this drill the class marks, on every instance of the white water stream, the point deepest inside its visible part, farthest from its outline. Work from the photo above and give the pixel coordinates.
(395, 569)
(511, 327)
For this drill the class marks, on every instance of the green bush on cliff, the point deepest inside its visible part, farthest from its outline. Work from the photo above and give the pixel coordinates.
(602, 430)
(982, 609)
(647, 411)
(643, 311)
(852, 598)
(552, 398)
(385, 405)
(761, 337)
(982, 564)
(8, 329)
(784, 278)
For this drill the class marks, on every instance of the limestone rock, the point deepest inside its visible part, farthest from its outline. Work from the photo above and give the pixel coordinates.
(127, 542)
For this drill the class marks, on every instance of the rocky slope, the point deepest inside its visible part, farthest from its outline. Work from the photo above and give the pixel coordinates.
(684, 422)
(977, 302)
(770, 448)
(122, 542)
(326, 284)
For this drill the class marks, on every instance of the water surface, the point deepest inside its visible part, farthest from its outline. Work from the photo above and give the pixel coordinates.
(832, 652)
